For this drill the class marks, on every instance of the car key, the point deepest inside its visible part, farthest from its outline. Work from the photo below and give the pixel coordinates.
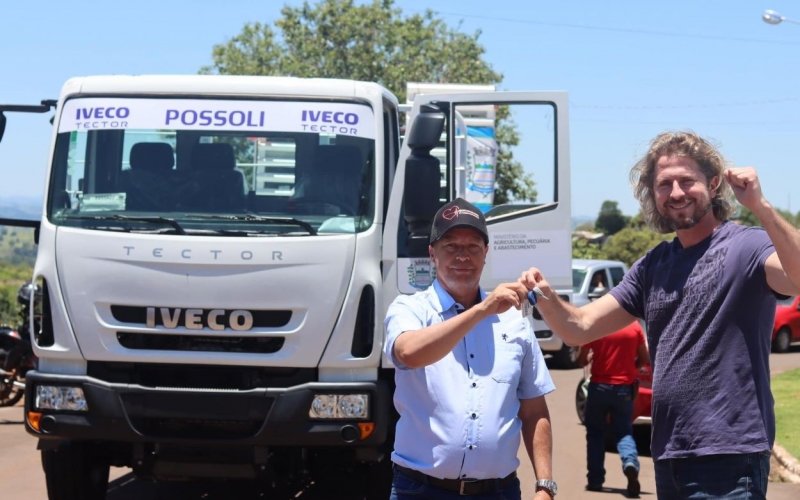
(527, 307)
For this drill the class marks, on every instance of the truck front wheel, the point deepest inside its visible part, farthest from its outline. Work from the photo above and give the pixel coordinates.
(379, 479)
(74, 471)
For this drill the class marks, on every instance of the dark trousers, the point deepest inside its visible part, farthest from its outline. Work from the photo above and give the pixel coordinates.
(729, 477)
(407, 488)
(608, 405)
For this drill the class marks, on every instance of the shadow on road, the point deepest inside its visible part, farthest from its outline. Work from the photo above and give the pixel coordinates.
(641, 434)
(621, 492)
(128, 487)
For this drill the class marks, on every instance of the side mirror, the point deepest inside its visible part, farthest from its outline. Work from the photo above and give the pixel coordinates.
(44, 107)
(422, 179)
(2, 125)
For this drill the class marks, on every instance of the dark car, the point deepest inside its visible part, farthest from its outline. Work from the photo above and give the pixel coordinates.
(786, 329)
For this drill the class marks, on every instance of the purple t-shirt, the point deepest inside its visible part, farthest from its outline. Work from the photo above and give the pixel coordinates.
(709, 315)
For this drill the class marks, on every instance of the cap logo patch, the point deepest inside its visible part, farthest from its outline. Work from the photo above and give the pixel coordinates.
(453, 212)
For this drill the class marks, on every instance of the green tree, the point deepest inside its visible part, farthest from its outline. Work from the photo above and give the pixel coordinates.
(629, 244)
(611, 220)
(747, 218)
(372, 42)
(790, 218)
(583, 249)
(8, 306)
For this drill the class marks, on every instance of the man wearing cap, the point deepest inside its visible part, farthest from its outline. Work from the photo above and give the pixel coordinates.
(470, 376)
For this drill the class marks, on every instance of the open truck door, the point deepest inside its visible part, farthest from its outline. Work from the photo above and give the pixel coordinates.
(519, 131)
(44, 107)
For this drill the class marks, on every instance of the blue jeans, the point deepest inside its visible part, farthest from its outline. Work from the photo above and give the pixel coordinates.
(732, 477)
(604, 401)
(407, 488)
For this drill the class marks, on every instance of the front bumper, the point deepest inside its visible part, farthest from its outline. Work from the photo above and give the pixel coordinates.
(548, 341)
(257, 417)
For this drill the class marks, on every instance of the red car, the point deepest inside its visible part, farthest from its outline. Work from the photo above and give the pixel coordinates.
(787, 324)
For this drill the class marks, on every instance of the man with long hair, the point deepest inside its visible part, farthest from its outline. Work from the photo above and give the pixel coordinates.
(708, 300)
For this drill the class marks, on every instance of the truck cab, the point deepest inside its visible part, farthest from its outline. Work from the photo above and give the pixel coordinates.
(216, 257)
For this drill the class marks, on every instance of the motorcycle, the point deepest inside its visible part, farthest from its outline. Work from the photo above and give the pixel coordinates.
(16, 351)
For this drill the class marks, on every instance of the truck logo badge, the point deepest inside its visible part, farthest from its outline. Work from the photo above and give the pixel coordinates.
(198, 319)
(421, 273)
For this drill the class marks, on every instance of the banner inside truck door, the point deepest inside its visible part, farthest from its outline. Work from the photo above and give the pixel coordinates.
(481, 159)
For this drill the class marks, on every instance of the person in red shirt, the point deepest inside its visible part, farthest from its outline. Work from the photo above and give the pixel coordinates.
(616, 360)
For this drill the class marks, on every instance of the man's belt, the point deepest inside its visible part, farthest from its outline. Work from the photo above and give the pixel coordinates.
(462, 486)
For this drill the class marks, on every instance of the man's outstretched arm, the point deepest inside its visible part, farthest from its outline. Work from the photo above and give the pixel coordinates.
(577, 325)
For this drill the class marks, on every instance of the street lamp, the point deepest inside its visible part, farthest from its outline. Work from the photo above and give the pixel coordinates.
(772, 17)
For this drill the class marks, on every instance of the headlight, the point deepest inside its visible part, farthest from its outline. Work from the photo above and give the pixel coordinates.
(324, 406)
(339, 406)
(353, 406)
(51, 397)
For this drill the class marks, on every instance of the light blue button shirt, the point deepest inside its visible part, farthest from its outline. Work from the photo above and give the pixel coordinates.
(458, 416)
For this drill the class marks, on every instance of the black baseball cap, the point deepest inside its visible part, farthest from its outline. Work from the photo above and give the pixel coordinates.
(458, 213)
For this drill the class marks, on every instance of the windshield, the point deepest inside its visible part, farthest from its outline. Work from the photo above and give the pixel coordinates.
(223, 167)
(578, 275)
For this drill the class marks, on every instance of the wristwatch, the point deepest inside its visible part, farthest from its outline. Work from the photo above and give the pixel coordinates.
(547, 484)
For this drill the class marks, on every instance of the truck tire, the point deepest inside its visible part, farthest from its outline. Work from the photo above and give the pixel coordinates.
(566, 357)
(73, 472)
(5, 387)
(379, 480)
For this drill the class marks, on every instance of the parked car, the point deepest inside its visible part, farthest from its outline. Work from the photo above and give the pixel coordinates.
(786, 329)
(591, 279)
(586, 276)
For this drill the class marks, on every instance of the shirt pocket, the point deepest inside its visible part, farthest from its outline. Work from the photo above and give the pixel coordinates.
(507, 363)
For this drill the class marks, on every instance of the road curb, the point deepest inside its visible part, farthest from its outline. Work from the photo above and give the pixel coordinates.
(790, 467)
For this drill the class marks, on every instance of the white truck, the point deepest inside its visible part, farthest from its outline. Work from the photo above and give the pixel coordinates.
(197, 324)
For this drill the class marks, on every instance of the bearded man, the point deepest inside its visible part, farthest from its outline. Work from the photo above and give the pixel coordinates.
(708, 301)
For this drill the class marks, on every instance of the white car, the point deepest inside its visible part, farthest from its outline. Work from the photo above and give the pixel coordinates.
(586, 276)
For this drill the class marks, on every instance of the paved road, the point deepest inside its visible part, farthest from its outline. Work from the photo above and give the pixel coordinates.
(21, 476)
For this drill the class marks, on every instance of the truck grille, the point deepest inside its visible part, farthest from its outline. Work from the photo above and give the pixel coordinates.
(205, 377)
(189, 415)
(196, 428)
(201, 343)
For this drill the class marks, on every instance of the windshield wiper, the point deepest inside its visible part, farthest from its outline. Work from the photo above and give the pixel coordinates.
(260, 218)
(154, 220)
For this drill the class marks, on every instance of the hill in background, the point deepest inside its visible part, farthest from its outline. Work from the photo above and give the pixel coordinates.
(577, 220)
(21, 207)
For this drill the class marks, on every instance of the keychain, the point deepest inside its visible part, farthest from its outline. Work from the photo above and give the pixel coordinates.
(527, 307)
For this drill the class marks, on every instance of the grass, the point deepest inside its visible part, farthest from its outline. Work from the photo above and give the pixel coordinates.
(786, 390)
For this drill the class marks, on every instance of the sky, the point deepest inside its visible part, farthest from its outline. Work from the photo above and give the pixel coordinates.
(632, 69)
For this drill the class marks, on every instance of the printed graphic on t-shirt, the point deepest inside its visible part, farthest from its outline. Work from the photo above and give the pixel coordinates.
(683, 345)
